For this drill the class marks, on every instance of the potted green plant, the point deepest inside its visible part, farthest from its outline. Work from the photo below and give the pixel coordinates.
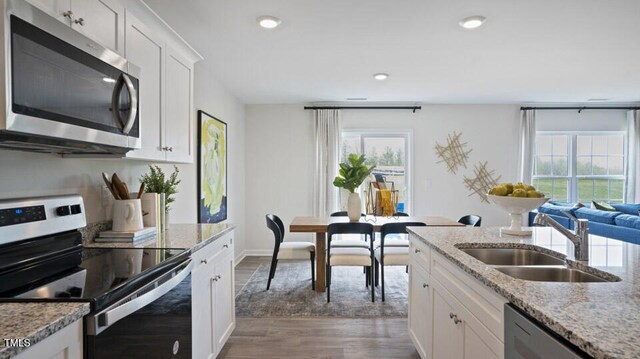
(156, 182)
(352, 174)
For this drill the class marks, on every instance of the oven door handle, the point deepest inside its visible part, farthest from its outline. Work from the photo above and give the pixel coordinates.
(133, 102)
(119, 311)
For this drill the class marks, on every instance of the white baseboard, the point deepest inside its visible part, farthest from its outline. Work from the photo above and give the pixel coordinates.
(240, 257)
(258, 253)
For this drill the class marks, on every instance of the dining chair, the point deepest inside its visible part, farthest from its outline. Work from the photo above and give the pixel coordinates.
(350, 256)
(348, 240)
(392, 255)
(471, 220)
(288, 250)
(400, 214)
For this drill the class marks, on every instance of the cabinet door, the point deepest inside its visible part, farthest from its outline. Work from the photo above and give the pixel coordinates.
(203, 345)
(224, 299)
(179, 105)
(457, 333)
(146, 50)
(448, 337)
(55, 8)
(420, 306)
(64, 344)
(102, 21)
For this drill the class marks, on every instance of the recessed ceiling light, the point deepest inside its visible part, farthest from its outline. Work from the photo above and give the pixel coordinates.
(269, 22)
(380, 76)
(472, 22)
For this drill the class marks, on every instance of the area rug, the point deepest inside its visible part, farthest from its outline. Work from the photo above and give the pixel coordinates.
(290, 294)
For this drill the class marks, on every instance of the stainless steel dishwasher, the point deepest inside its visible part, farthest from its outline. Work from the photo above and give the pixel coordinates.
(526, 339)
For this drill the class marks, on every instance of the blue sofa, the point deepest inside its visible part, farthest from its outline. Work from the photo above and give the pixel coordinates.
(622, 224)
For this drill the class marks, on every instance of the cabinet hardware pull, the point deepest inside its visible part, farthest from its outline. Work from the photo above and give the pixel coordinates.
(455, 318)
(68, 14)
(417, 250)
(216, 278)
(167, 148)
(424, 285)
(204, 261)
(226, 246)
(79, 21)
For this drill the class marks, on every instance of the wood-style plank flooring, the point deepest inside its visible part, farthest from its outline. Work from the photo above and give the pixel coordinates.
(302, 337)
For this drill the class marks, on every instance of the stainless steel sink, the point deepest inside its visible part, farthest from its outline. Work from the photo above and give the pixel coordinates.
(512, 256)
(550, 274)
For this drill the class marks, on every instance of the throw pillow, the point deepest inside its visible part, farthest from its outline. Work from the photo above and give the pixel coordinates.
(603, 206)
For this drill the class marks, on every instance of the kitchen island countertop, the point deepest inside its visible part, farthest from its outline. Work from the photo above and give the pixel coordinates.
(602, 319)
(35, 321)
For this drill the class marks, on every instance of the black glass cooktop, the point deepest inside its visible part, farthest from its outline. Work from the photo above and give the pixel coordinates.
(103, 275)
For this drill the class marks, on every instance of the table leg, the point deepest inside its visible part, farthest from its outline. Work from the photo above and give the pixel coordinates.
(320, 261)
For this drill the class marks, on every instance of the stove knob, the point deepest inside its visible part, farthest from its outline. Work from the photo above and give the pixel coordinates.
(63, 211)
(62, 295)
(75, 292)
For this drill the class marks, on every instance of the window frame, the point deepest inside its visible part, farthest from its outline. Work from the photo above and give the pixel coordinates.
(408, 145)
(572, 155)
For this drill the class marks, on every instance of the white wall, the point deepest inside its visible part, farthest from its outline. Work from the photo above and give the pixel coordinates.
(279, 160)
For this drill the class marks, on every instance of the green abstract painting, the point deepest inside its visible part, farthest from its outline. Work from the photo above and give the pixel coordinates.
(212, 169)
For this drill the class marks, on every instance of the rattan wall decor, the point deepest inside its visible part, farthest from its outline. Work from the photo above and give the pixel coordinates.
(454, 154)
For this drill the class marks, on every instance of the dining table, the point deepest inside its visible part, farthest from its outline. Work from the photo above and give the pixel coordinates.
(319, 225)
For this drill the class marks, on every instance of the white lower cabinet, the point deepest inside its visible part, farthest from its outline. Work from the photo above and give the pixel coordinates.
(451, 314)
(213, 297)
(420, 305)
(63, 344)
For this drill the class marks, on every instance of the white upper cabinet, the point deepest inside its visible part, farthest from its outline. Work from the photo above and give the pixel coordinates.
(146, 50)
(99, 20)
(179, 108)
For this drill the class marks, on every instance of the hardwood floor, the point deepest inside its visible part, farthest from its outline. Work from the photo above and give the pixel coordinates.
(303, 337)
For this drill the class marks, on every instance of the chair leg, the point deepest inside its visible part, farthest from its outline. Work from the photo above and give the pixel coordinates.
(367, 276)
(328, 283)
(272, 270)
(407, 270)
(373, 287)
(377, 272)
(382, 278)
(313, 270)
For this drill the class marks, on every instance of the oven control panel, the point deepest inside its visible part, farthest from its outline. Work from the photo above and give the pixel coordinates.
(19, 215)
(25, 218)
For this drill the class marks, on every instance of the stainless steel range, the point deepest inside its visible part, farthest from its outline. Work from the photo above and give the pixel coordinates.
(140, 298)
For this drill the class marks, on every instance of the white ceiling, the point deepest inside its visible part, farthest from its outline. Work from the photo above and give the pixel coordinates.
(328, 50)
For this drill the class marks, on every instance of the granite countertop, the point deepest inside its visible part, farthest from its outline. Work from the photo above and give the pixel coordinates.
(177, 236)
(35, 321)
(603, 319)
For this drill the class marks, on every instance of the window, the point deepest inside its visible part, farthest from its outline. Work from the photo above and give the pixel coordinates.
(389, 151)
(580, 166)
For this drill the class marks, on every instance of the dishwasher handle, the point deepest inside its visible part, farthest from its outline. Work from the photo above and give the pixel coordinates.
(137, 300)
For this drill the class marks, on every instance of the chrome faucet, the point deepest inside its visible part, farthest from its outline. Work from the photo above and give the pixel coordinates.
(580, 237)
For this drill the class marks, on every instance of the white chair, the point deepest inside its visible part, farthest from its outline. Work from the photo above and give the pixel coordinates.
(288, 250)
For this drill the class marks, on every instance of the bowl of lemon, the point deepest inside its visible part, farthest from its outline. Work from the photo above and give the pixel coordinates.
(516, 199)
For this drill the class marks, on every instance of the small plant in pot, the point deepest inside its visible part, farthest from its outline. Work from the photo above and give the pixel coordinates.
(352, 174)
(156, 182)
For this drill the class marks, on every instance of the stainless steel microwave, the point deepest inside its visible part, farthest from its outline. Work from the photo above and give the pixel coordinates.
(63, 92)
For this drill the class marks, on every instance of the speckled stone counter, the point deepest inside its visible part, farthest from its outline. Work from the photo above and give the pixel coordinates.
(177, 236)
(35, 321)
(603, 319)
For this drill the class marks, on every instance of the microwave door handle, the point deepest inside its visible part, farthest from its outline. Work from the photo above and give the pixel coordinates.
(114, 314)
(133, 100)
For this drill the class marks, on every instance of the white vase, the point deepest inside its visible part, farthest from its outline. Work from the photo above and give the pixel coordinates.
(354, 207)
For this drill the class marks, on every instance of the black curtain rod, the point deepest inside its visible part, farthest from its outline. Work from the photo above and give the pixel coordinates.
(414, 108)
(580, 108)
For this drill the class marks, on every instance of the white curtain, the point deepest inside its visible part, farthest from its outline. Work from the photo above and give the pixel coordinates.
(632, 185)
(527, 144)
(327, 144)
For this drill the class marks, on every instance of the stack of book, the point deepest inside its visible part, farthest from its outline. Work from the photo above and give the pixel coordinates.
(133, 236)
